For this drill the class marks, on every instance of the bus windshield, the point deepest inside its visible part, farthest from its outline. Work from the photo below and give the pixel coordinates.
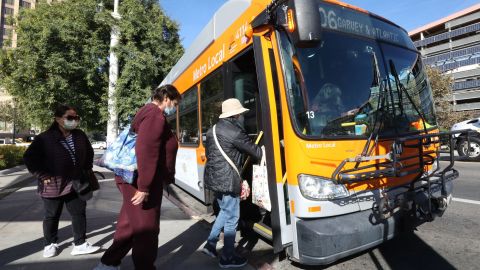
(345, 86)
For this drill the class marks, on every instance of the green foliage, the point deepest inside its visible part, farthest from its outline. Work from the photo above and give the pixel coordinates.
(149, 47)
(442, 94)
(62, 57)
(9, 114)
(6, 112)
(11, 155)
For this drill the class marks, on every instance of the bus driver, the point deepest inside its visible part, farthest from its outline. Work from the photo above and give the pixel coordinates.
(326, 106)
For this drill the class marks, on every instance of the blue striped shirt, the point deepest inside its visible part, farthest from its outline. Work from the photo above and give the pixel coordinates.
(68, 144)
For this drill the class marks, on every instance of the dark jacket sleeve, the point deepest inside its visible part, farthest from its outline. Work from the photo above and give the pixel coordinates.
(149, 134)
(246, 146)
(89, 153)
(34, 157)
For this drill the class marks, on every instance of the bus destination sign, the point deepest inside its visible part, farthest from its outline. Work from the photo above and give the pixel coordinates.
(343, 19)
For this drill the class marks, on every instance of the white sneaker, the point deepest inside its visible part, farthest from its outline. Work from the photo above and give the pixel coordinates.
(50, 250)
(85, 248)
(102, 266)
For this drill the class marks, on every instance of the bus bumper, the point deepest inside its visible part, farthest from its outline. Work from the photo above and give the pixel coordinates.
(325, 240)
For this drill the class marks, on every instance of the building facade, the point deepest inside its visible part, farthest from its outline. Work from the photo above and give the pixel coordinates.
(9, 9)
(452, 44)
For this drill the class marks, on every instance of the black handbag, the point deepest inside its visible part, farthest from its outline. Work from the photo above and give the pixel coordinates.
(88, 182)
(89, 177)
(81, 186)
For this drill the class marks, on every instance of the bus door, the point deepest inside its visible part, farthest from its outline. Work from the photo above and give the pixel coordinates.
(188, 177)
(279, 224)
(243, 85)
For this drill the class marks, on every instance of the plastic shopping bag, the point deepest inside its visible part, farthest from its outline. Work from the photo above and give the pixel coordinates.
(120, 156)
(260, 193)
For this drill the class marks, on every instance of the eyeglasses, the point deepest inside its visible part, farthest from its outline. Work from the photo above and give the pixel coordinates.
(72, 117)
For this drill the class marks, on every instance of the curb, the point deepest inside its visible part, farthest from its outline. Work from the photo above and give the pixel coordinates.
(16, 185)
(12, 170)
(190, 212)
(193, 214)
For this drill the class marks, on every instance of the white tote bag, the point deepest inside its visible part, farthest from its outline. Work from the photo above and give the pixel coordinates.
(260, 194)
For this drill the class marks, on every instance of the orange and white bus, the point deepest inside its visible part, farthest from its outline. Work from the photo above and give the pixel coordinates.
(346, 110)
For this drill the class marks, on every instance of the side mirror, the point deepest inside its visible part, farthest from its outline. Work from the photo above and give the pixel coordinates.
(307, 20)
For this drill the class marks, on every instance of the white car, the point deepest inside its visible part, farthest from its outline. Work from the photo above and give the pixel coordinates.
(99, 145)
(472, 152)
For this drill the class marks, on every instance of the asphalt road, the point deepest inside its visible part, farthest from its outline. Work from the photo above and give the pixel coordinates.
(449, 242)
(468, 184)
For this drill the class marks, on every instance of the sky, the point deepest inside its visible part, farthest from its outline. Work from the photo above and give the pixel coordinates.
(193, 15)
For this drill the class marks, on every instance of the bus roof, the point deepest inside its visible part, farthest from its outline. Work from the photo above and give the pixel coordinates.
(221, 20)
(227, 14)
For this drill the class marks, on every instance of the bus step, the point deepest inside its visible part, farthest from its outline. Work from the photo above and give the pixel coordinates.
(263, 230)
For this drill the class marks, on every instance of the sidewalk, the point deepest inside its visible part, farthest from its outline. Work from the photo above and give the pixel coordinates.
(180, 242)
(12, 179)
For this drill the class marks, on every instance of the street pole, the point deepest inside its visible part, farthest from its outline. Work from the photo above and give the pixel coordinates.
(14, 121)
(112, 123)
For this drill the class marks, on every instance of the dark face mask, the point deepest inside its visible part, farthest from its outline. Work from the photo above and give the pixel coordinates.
(241, 120)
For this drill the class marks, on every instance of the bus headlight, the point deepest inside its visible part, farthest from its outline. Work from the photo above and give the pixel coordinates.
(319, 188)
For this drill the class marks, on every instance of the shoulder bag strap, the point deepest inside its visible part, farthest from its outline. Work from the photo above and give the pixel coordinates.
(223, 153)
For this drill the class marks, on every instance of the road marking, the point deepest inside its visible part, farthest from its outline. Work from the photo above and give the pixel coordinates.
(106, 180)
(465, 201)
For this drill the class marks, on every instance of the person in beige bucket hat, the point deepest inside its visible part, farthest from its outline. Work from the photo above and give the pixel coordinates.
(227, 139)
(232, 107)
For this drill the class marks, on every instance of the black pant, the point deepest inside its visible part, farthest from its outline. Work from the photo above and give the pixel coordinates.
(53, 210)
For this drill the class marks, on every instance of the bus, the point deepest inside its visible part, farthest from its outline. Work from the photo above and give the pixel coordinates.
(347, 115)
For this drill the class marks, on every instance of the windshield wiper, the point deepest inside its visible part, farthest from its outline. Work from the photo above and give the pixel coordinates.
(367, 150)
(403, 89)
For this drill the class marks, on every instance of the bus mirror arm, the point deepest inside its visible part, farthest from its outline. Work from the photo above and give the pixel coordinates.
(306, 18)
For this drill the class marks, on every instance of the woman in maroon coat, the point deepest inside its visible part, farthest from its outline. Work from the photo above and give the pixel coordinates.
(138, 225)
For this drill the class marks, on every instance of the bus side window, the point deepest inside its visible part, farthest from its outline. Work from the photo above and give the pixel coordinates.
(245, 88)
(172, 120)
(212, 96)
(188, 118)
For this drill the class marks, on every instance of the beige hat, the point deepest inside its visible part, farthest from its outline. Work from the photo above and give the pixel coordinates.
(231, 107)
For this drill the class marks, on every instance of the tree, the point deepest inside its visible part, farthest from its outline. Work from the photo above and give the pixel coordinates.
(149, 47)
(62, 57)
(443, 97)
(10, 112)
(6, 112)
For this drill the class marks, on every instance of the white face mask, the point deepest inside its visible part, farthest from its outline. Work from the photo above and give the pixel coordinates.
(70, 124)
(170, 110)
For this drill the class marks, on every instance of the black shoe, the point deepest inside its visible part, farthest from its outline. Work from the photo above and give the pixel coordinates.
(210, 250)
(234, 261)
